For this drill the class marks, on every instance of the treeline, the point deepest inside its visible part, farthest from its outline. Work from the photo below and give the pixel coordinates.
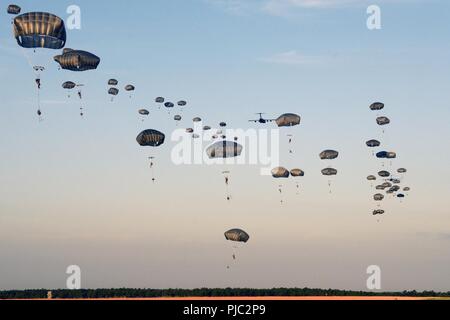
(204, 292)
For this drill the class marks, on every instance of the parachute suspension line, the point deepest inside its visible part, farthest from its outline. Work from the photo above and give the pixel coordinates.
(280, 190)
(227, 184)
(37, 80)
(152, 165)
(235, 249)
(39, 112)
(27, 58)
(81, 104)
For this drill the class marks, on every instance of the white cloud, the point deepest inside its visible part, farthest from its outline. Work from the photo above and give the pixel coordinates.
(282, 7)
(291, 58)
(286, 7)
(236, 7)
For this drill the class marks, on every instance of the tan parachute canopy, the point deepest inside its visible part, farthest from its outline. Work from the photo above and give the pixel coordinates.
(377, 106)
(69, 85)
(224, 149)
(378, 212)
(378, 197)
(144, 112)
(237, 235)
(382, 121)
(150, 138)
(329, 172)
(77, 60)
(297, 173)
(13, 9)
(113, 91)
(329, 155)
(39, 30)
(288, 120)
(280, 172)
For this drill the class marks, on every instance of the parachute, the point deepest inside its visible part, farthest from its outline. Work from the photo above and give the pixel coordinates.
(280, 172)
(38, 68)
(394, 189)
(376, 106)
(169, 105)
(77, 60)
(222, 124)
(382, 155)
(400, 195)
(224, 149)
(130, 88)
(189, 130)
(386, 185)
(371, 178)
(297, 173)
(329, 172)
(382, 121)
(402, 170)
(329, 155)
(113, 82)
(159, 100)
(406, 189)
(373, 143)
(237, 235)
(378, 197)
(13, 9)
(378, 212)
(181, 103)
(384, 174)
(197, 119)
(288, 120)
(113, 91)
(39, 30)
(206, 128)
(177, 118)
(144, 112)
(380, 187)
(391, 155)
(69, 85)
(150, 138)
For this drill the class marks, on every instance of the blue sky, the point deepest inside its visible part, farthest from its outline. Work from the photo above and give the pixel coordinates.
(79, 191)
